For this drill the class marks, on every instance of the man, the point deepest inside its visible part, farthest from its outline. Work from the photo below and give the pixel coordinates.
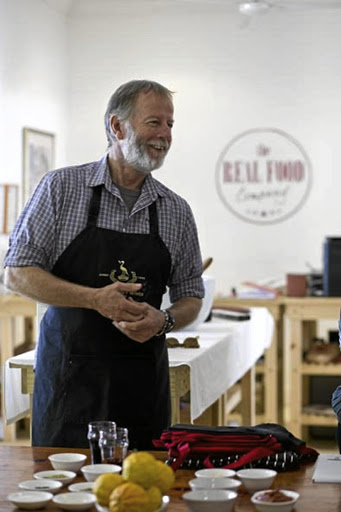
(99, 242)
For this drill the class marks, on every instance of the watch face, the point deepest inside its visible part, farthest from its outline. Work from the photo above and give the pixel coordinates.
(170, 321)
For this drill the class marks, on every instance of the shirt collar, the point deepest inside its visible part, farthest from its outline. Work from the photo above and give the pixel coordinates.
(101, 176)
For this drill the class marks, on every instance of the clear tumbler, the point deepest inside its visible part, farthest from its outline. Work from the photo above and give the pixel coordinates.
(114, 447)
(94, 429)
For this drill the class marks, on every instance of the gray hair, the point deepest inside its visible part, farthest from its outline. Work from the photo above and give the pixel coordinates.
(123, 100)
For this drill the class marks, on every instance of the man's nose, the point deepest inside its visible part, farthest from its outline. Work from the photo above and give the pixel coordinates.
(165, 131)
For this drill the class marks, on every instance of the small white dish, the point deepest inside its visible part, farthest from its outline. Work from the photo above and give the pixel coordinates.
(279, 506)
(65, 477)
(163, 508)
(74, 500)
(215, 473)
(81, 486)
(214, 483)
(92, 471)
(210, 500)
(256, 479)
(67, 461)
(40, 485)
(30, 500)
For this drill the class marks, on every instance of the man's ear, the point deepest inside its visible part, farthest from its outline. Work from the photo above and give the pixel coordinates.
(117, 127)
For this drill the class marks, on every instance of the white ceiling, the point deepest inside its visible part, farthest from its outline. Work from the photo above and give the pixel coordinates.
(69, 6)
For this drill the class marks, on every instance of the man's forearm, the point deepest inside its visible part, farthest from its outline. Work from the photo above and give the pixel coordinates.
(40, 285)
(185, 310)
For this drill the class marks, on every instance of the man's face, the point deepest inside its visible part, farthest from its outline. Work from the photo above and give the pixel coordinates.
(148, 133)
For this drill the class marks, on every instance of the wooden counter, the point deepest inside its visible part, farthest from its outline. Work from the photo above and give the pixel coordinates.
(20, 463)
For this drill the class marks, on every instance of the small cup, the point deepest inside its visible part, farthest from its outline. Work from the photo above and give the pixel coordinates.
(94, 428)
(114, 448)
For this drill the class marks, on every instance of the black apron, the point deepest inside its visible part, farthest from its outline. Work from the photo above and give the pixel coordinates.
(86, 369)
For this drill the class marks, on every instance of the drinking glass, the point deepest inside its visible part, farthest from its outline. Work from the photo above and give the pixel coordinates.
(121, 445)
(94, 429)
(114, 447)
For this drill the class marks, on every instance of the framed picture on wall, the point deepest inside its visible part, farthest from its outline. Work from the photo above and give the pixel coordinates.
(9, 195)
(38, 158)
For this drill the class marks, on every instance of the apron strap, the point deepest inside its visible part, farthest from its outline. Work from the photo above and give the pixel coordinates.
(94, 206)
(153, 223)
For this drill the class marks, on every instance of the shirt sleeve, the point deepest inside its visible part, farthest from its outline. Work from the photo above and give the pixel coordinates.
(32, 242)
(336, 402)
(186, 280)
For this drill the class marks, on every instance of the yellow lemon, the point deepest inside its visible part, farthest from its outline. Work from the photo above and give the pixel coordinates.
(141, 468)
(165, 477)
(128, 497)
(104, 485)
(155, 498)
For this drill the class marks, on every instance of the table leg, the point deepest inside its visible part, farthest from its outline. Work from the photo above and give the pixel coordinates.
(248, 404)
(292, 391)
(270, 382)
(5, 353)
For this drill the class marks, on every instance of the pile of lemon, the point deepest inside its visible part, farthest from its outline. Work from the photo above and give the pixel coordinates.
(139, 488)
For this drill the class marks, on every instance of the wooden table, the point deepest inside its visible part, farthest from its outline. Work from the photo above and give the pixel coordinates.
(228, 351)
(13, 307)
(270, 368)
(19, 463)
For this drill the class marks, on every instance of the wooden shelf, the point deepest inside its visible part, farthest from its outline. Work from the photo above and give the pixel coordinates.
(318, 420)
(301, 317)
(321, 369)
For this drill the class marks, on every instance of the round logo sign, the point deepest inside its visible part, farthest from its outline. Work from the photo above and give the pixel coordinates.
(263, 176)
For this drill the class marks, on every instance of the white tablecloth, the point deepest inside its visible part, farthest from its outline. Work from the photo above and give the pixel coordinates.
(228, 349)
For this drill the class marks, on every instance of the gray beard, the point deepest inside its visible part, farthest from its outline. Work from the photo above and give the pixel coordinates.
(135, 153)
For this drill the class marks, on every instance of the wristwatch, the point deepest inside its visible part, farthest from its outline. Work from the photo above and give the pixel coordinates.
(169, 322)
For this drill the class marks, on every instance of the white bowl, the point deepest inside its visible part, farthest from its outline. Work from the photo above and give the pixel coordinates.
(81, 486)
(207, 301)
(214, 483)
(92, 471)
(210, 500)
(74, 500)
(63, 476)
(67, 461)
(279, 506)
(256, 479)
(30, 500)
(215, 473)
(40, 485)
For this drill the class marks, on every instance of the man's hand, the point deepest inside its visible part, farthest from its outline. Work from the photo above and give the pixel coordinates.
(184, 311)
(114, 302)
(143, 329)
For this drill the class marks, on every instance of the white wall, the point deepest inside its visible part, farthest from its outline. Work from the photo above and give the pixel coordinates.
(33, 80)
(280, 70)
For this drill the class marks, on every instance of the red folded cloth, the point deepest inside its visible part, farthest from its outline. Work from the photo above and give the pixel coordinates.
(250, 447)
